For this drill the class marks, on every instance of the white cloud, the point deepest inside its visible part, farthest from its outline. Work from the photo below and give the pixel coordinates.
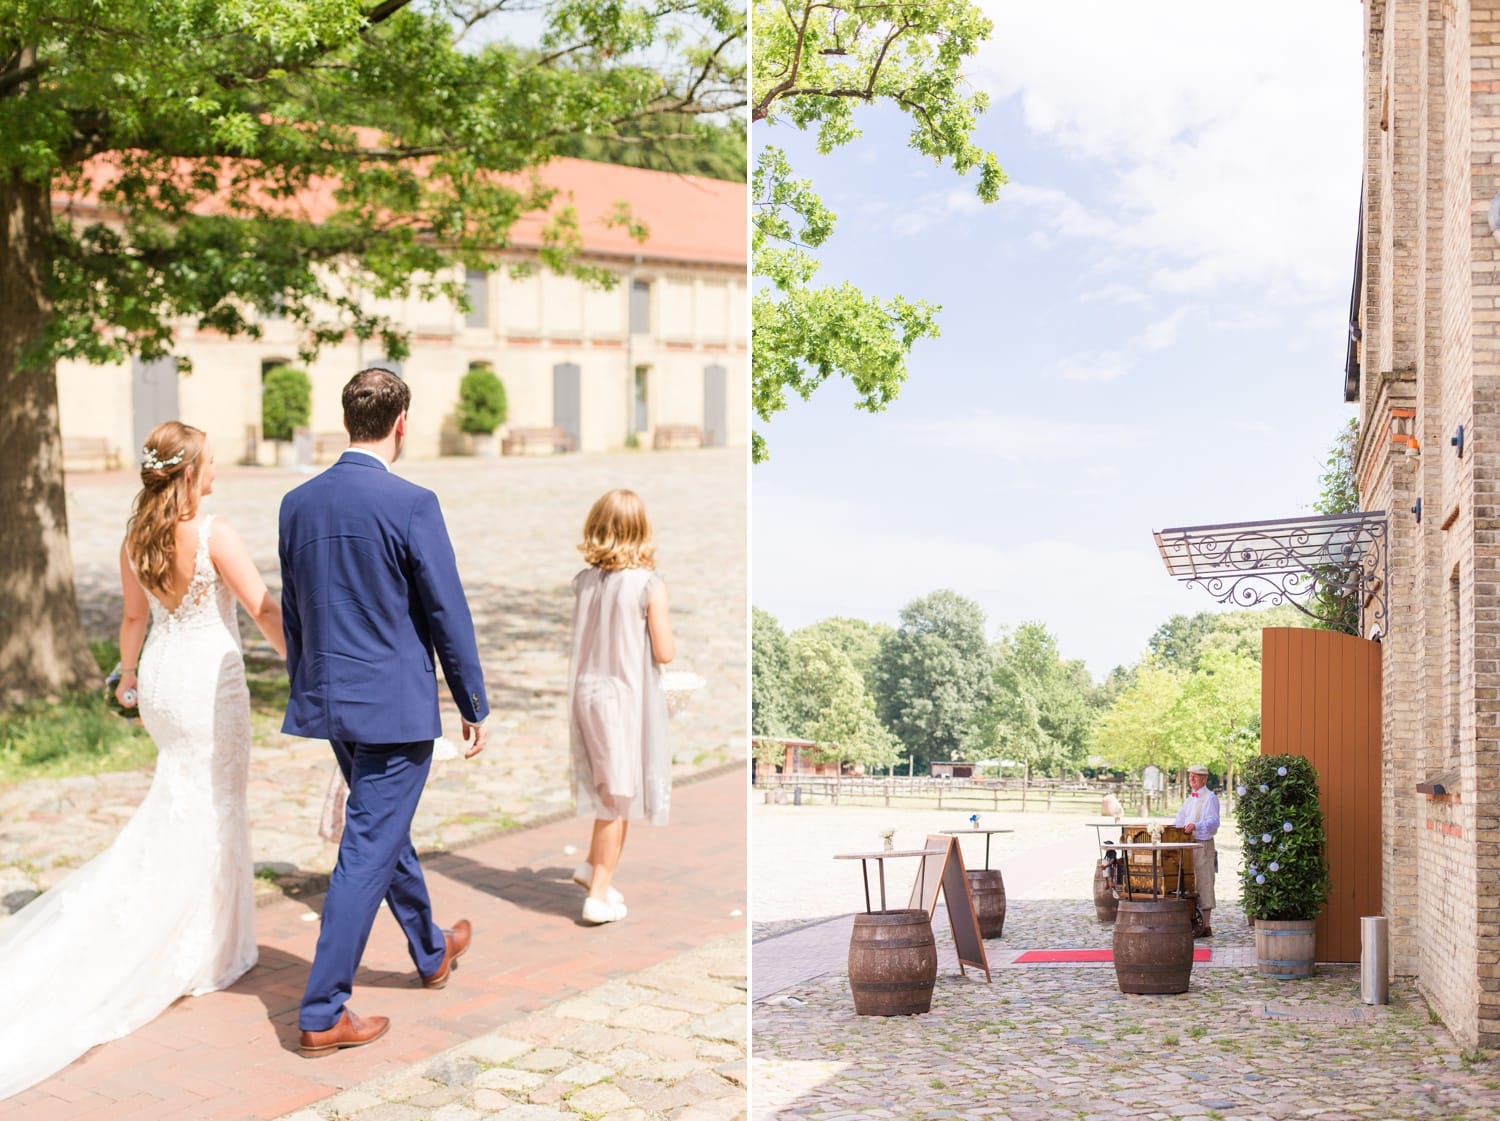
(1228, 138)
(1161, 334)
(1058, 212)
(1098, 366)
(1111, 365)
(1246, 319)
(1115, 293)
(912, 217)
(1023, 439)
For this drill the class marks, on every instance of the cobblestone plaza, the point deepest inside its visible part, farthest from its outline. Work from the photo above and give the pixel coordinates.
(1055, 1042)
(515, 522)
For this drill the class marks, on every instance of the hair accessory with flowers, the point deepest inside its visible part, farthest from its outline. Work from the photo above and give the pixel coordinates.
(153, 462)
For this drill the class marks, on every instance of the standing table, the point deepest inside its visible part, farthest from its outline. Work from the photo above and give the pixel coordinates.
(986, 885)
(1153, 945)
(892, 954)
(1107, 873)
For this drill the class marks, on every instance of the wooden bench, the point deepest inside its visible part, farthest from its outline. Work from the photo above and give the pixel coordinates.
(536, 441)
(329, 445)
(90, 449)
(677, 436)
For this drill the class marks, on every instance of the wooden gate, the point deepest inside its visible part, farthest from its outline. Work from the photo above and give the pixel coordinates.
(1320, 699)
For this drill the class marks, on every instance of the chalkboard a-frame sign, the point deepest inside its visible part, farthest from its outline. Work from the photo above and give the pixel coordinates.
(944, 868)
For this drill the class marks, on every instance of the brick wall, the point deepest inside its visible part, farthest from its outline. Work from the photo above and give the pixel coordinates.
(1432, 343)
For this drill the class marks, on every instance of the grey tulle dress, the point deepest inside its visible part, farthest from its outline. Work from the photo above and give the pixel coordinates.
(622, 763)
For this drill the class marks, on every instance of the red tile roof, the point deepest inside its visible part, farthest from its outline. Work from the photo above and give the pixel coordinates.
(689, 218)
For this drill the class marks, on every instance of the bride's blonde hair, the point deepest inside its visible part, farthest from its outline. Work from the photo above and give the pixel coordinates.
(617, 533)
(168, 495)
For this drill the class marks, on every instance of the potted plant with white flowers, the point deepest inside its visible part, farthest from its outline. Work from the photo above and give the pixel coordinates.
(1283, 869)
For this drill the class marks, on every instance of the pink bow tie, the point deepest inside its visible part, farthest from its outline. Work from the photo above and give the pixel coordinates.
(1194, 794)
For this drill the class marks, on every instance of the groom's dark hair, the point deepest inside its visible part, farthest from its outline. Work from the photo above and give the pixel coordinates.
(373, 400)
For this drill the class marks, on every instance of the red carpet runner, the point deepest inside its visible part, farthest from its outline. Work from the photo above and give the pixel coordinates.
(1049, 957)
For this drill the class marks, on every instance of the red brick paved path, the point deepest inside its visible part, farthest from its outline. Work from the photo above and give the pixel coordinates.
(231, 1055)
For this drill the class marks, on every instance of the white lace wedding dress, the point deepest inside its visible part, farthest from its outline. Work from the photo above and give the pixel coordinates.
(169, 908)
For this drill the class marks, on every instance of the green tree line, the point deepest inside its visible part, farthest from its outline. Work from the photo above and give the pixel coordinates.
(933, 687)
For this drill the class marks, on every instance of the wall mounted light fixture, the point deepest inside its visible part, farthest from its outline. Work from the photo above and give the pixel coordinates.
(1417, 510)
(1457, 440)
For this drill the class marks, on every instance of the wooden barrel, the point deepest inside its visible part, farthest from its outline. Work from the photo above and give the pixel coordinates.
(988, 890)
(892, 963)
(1154, 945)
(1105, 903)
(1284, 949)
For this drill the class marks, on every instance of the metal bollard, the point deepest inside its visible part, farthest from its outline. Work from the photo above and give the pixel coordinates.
(1374, 960)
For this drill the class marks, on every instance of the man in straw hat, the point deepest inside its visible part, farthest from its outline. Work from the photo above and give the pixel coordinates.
(1199, 816)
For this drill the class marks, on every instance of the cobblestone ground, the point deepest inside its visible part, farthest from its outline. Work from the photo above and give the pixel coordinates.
(515, 523)
(669, 1042)
(1064, 1043)
(1061, 1042)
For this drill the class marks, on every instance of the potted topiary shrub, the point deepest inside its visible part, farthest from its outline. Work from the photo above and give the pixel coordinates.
(285, 406)
(1283, 870)
(482, 408)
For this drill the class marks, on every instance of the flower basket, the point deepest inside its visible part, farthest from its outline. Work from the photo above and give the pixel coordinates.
(1284, 869)
(679, 685)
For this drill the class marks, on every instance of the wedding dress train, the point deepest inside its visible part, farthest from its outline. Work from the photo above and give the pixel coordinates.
(168, 909)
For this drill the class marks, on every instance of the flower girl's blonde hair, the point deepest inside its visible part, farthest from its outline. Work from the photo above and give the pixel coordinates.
(617, 533)
(168, 495)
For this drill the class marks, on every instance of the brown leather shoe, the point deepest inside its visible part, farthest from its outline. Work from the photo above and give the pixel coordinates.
(350, 1031)
(456, 942)
(1203, 932)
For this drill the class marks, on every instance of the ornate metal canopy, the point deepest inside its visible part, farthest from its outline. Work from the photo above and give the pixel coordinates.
(1288, 561)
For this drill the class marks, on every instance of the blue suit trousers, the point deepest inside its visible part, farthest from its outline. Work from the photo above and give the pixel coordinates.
(376, 861)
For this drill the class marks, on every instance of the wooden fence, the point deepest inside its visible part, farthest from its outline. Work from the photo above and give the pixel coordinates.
(977, 795)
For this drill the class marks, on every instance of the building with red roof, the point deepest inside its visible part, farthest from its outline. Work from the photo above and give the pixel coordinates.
(659, 359)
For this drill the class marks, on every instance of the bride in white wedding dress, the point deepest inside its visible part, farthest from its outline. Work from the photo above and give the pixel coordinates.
(168, 909)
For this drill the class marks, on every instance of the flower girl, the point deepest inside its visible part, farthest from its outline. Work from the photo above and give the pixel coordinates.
(622, 632)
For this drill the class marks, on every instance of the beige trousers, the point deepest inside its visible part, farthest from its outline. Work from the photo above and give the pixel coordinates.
(1203, 873)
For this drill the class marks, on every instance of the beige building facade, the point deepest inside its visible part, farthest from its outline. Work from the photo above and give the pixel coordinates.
(1425, 372)
(662, 352)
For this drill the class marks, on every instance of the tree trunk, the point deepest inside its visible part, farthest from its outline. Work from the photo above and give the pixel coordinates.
(42, 648)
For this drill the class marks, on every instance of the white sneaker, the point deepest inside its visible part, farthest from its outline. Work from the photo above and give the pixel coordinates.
(600, 911)
(583, 876)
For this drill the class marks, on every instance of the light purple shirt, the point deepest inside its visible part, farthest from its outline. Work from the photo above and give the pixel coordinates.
(1208, 816)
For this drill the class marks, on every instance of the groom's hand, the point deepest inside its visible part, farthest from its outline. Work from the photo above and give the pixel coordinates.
(478, 735)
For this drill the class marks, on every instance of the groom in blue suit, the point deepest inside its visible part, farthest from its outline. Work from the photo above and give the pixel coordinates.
(370, 590)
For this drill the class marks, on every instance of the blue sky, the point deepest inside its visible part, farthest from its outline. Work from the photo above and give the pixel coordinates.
(1147, 330)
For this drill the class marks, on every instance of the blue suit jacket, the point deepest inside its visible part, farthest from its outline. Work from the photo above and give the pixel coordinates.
(369, 589)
